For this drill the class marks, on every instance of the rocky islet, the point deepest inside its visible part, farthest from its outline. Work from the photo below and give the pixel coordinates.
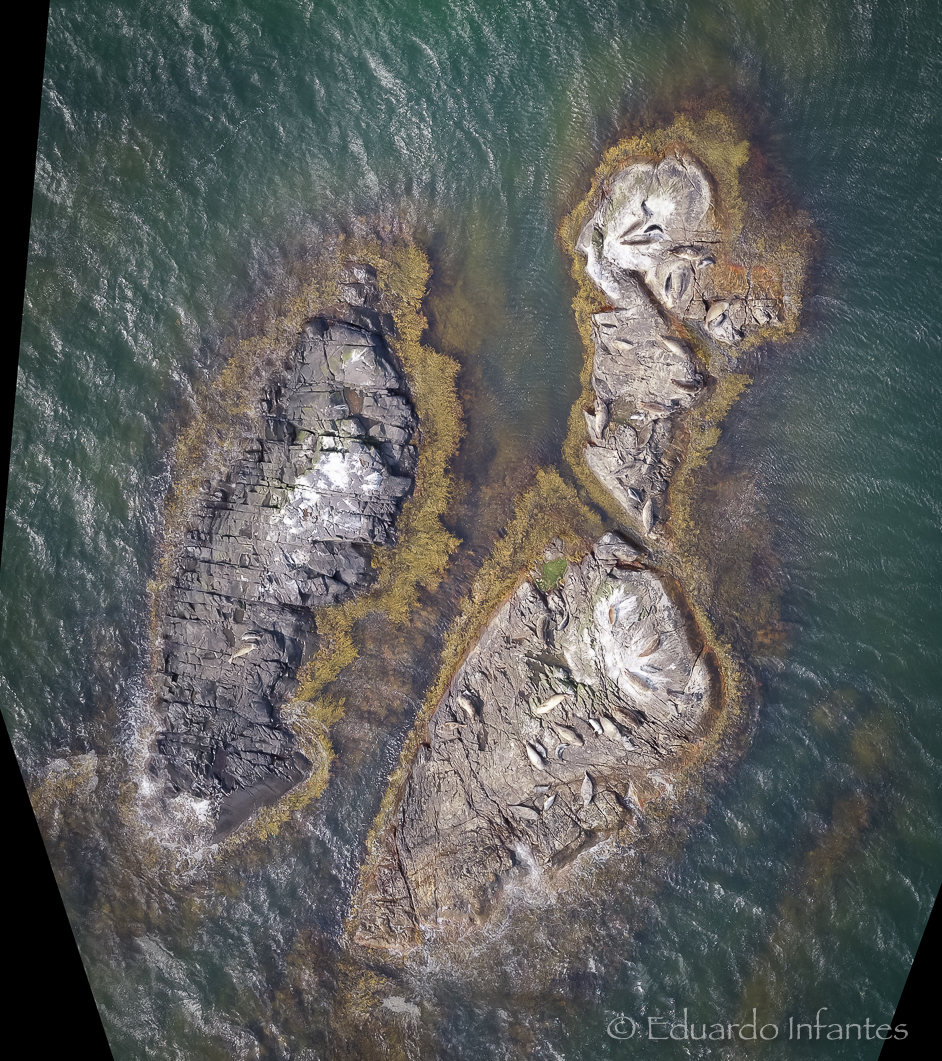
(558, 726)
(653, 247)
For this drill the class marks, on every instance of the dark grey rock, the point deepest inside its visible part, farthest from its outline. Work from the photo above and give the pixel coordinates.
(289, 528)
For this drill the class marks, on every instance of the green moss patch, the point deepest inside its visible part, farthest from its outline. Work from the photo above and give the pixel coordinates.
(553, 571)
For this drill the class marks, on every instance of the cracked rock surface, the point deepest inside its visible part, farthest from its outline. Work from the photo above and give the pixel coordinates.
(564, 718)
(289, 528)
(644, 376)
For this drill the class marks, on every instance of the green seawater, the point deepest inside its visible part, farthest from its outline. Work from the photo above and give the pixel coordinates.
(187, 155)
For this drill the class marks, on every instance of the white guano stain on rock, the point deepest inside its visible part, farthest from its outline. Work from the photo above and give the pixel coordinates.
(398, 1004)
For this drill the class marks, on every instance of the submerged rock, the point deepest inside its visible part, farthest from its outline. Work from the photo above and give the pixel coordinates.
(521, 783)
(64, 785)
(289, 528)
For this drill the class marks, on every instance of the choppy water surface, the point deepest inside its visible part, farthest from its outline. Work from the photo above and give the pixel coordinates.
(187, 153)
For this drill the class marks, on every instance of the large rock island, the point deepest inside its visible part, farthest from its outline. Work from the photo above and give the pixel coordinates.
(563, 719)
(288, 528)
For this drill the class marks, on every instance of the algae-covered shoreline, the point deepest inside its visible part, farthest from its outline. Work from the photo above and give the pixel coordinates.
(565, 510)
(228, 419)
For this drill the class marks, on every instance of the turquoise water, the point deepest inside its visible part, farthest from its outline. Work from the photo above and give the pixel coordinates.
(187, 155)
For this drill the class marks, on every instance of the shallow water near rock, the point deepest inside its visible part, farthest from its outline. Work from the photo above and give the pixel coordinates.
(186, 159)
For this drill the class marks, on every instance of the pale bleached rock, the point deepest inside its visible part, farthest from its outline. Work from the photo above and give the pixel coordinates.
(655, 222)
(483, 801)
(645, 377)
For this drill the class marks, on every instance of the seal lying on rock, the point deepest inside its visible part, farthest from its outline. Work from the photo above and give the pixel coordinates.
(637, 360)
(607, 641)
(288, 529)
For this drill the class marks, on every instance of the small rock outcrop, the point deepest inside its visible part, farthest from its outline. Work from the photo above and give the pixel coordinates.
(656, 221)
(564, 717)
(289, 528)
(651, 247)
